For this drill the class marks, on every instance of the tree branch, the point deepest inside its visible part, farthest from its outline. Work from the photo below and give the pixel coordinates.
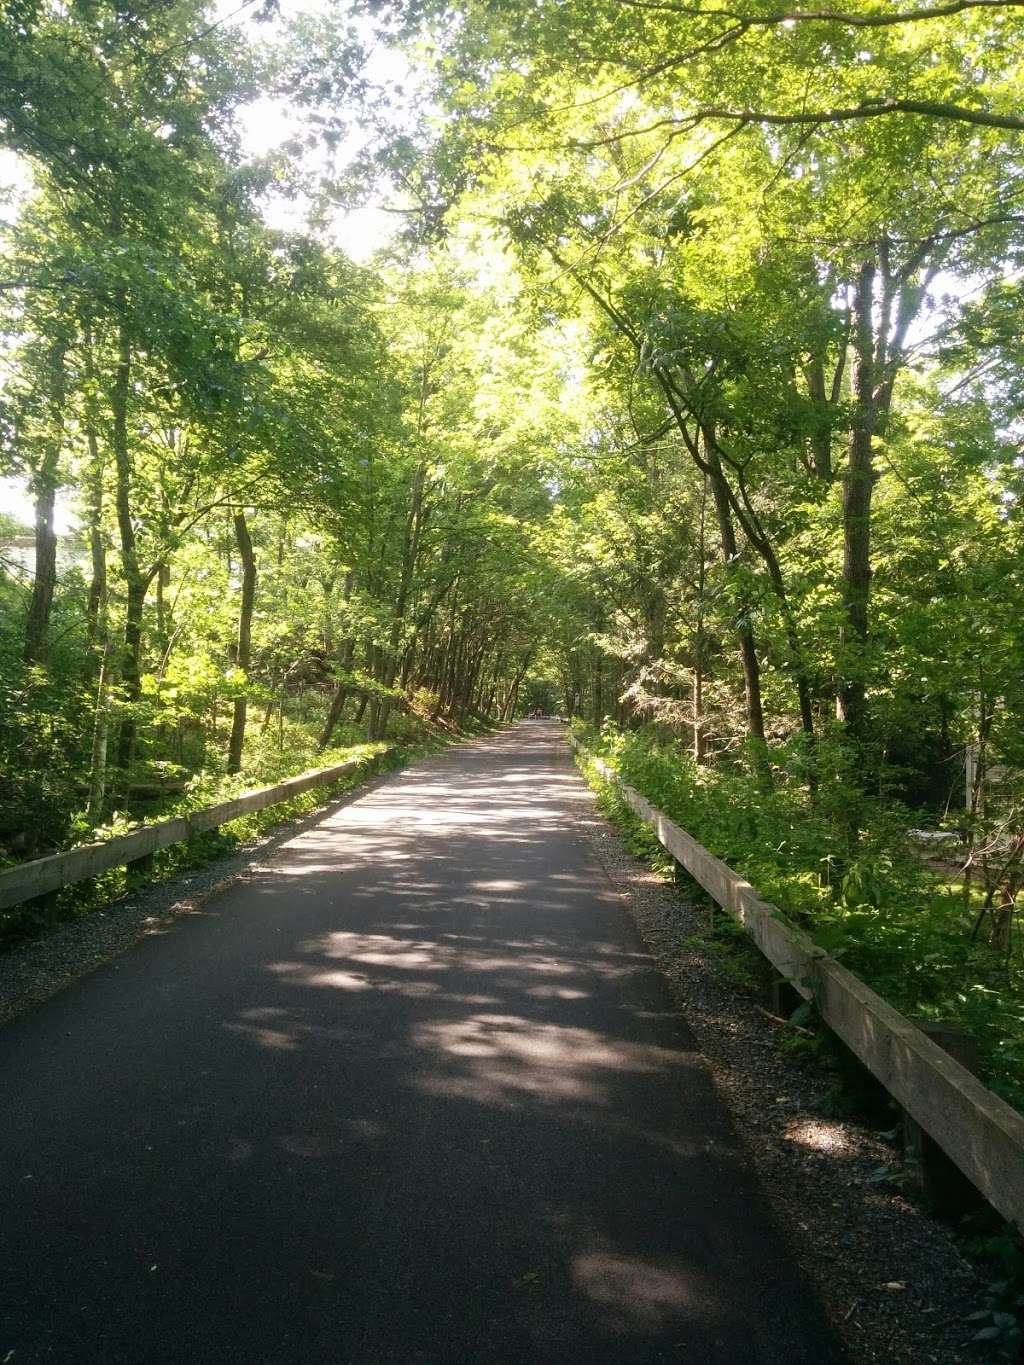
(825, 16)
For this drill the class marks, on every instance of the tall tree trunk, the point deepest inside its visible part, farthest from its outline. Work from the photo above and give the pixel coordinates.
(821, 436)
(44, 486)
(97, 549)
(101, 733)
(135, 580)
(596, 688)
(100, 631)
(341, 687)
(711, 465)
(858, 486)
(334, 712)
(744, 631)
(410, 553)
(243, 647)
(699, 737)
(512, 696)
(741, 507)
(708, 460)
(470, 675)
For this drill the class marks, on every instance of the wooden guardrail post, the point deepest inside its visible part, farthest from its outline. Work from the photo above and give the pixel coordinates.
(944, 1185)
(141, 868)
(785, 997)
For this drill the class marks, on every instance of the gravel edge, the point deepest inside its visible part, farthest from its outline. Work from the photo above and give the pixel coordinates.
(891, 1277)
(40, 968)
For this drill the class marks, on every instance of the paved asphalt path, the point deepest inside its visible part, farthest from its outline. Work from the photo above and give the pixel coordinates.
(411, 1093)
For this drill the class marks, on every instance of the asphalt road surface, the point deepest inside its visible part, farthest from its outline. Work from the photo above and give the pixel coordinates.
(411, 1093)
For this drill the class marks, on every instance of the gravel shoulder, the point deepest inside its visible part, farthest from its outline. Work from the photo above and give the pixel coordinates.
(31, 973)
(890, 1276)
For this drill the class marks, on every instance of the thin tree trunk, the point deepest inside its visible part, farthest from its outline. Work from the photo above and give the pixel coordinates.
(341, 687)
(100, 735)
(163, 579)
(512, 696)
(243, 647)
(858, 486)
(596, 689)
(821, 436)
(710, 462)
(699, 738)
(740, 506)
(97, 549)
(267, 717)
(135, 581)
(44, 483)
(711, 465)
(334, 714)
(410, 553)
(744, 631)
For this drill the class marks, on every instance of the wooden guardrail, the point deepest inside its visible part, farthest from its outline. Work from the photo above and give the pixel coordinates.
(27, 880)
(978, 1131)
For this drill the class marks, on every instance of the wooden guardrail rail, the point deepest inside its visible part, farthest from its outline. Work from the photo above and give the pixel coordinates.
(36, 878)
(978, 1131)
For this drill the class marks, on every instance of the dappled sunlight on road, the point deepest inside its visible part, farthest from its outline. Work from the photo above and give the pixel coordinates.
(498, 1057)
(412, 1092)
(638, 1293)
(476, 974)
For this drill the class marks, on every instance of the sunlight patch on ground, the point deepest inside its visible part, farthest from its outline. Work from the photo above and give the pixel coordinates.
(501, 1056)
(382, 950)
(555, 993)
(277, 1040)
(640, 1294)
(819, 1136)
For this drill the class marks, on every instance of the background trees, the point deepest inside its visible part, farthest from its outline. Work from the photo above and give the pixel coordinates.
(765, 226)
(302, 490)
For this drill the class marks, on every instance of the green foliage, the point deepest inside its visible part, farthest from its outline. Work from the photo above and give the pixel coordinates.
(41, 714)
(889, 918)
(999, 1248)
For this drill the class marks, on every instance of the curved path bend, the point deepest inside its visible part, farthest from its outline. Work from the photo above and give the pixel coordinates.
(410, 1094)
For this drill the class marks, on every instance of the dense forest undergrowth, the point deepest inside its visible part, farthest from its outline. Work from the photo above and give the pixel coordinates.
(375, 370)
(908, 928)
